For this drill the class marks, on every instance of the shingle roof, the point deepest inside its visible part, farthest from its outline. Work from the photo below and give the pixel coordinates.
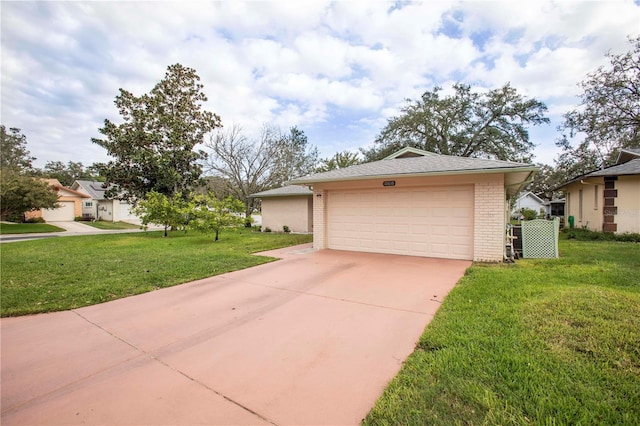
(93, 188)
(289, 190)
(629, 168)
(427, 165)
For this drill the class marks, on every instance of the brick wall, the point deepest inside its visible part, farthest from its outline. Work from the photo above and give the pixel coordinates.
(489, 221)
(319, 231)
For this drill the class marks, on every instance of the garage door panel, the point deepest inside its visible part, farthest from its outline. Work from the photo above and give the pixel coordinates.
(433, 222)
(64, 213)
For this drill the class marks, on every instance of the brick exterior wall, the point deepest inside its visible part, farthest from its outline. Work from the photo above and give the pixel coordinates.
(489, 220)
(319, 231)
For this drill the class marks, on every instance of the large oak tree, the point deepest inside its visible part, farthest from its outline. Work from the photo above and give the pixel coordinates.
(154, 146)
(608, 116)
(491, 124)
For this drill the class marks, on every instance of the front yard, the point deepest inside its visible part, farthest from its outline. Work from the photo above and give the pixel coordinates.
(27, 228)
(64, 273)
(546, 342)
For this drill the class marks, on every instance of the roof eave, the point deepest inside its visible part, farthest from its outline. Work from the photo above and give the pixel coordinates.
(303, 181)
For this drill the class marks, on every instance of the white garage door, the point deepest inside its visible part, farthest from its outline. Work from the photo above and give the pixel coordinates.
(124, 213)
(431, 222)
(64, 213)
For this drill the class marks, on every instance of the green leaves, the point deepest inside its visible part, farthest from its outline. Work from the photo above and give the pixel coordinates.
(608, 115)
(212, 214)
(465, 123)
(153, 148)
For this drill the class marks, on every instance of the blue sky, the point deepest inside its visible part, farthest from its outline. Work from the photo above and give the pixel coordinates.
(337, 70)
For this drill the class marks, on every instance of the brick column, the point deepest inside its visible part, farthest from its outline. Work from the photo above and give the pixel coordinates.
(610, 209)
(489, 226)
(319, 219)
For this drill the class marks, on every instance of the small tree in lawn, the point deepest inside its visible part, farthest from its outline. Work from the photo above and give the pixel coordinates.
(162, 210)
(212, 214)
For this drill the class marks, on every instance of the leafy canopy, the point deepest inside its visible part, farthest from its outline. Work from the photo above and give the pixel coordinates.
(19, 191)
(13, 150)
(167, 211)
(68, 173)
(153, 148)
(340, 160)
(464, 123)
(608, 116)
(212, 214)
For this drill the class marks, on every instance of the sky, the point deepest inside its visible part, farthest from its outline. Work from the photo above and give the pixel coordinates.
(336, 70)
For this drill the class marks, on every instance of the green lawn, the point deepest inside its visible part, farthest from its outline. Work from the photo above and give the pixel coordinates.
(545, 342)
(27, 228)
(63, 273)
(112, 225)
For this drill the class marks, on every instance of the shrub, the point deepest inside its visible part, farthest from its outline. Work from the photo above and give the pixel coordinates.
(267, 229)
(529, 214)
(257, 228)
(35, 220)
(588, 235)
(286, 229)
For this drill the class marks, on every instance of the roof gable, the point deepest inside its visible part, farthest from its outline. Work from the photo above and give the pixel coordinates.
(627, 154)
(91, 187)
(409, 152)
(531, 195)
(285, 191)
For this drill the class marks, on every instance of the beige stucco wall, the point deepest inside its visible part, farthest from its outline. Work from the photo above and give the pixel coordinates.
(591, 217)
(628, 203)
(489, 199)
(293, 211)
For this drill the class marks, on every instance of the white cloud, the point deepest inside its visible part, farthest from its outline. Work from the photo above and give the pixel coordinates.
(338, 70)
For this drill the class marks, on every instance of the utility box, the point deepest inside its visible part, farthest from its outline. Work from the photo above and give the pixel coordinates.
(540, 238)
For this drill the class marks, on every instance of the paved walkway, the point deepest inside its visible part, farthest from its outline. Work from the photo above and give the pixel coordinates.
(71, 229)
(312, 339)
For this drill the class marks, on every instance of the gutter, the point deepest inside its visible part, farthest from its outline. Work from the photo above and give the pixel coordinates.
(303, 181)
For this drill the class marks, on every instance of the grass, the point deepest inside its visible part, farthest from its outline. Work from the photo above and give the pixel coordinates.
(112, 225)
(28, 228)
(546, 342)
(64, 273)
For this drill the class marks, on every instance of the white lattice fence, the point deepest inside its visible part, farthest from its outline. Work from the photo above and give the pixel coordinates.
(540, 238)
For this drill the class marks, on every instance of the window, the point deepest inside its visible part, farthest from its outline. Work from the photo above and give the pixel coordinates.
(88, 204)
(595, 198)
(580, 205)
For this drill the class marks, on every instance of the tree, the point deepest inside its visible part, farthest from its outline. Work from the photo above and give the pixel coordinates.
(157, 208)
(20, 193)
(212, 214)
(13, 150)
(67, 174)
(466, 124)
(253, 166)
(153, 148)
(339, 161)
(608, 115)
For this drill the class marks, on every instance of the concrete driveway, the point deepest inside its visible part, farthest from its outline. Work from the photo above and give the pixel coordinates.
(311, 339)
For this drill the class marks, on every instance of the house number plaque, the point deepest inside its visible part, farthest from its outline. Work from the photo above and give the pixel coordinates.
(389, 183)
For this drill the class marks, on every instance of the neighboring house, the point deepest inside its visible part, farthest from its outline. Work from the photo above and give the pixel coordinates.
(290, 206)
(417, 203)
(554, 208)
(100, 208)
(609, 199)
(528, 200)
(69, 204)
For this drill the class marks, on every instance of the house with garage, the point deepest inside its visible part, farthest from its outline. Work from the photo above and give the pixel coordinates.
(607, 200)
(70, 203)
(98, 207)
(417, 203)
(290, 206)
